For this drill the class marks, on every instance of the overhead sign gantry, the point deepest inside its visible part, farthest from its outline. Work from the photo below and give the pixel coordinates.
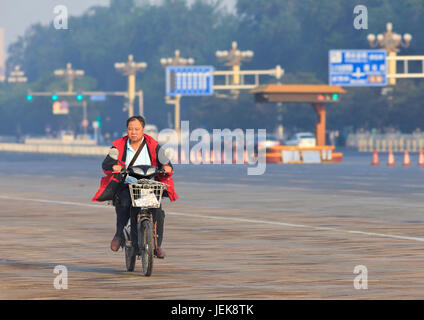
(317, 94)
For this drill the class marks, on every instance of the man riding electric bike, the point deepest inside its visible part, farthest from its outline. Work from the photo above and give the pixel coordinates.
(134, 149)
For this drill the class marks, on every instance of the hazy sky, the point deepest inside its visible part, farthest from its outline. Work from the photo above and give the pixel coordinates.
(17, 15)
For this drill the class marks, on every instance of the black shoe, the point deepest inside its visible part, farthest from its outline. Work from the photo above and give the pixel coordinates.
(159, 253)
(116, 243)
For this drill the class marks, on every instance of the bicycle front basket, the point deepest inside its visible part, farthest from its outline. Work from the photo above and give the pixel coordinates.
(146, 193)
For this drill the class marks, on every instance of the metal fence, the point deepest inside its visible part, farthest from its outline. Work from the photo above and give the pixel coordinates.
(384, 142)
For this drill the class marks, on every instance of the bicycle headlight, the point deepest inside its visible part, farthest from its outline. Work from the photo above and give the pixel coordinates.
(138, 171)
(150, 171)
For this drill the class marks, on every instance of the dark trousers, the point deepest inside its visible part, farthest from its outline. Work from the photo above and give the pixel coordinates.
(122, 209)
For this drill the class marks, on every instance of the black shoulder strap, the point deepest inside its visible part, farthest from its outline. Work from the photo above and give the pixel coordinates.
(137, 153)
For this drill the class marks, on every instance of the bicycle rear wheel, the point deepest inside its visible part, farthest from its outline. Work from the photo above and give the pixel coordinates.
(146, 245)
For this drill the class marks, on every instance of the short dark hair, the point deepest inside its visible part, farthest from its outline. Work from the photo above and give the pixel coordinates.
(139, 118)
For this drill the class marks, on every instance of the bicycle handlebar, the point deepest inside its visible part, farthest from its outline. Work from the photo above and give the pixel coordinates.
(125, 170)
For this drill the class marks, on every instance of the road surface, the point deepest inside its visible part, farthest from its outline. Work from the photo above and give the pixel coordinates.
(296, 232)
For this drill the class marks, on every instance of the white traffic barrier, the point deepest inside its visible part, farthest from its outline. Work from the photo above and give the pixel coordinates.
(52, 149)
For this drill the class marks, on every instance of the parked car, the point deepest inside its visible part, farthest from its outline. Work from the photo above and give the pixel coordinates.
(66, 136)
(302, 139)
(270, 141)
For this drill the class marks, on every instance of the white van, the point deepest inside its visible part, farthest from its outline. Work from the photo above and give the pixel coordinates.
(302, 139)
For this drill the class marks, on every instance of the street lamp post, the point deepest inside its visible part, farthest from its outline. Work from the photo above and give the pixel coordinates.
(17, 76)
(234, 58)
(2, 57)
(177, 60)
(84, 122)
(69, 75)
(129, 69)
(390, 41)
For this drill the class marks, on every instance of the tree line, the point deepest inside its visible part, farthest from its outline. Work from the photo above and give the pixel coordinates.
(295, 34)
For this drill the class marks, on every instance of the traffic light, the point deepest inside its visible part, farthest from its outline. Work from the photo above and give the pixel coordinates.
(54, 97)
(327, 97)
(80, 97)
(29, 97)
(99, 121)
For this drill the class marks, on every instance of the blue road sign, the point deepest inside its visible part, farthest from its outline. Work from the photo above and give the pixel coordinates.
(98, 97)
(357, 67)
(189, 81)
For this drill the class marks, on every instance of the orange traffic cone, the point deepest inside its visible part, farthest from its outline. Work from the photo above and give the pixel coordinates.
(236, 157)
(174, 155)
(183, 156)
(215, 156)
(375, 161)
(192, 157)
(223, 156)
(207, 158)
(406, 159)
(245, 156)
(391, 160)
(421, 159)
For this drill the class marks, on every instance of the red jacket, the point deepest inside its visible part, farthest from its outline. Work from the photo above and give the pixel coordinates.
(109, 182)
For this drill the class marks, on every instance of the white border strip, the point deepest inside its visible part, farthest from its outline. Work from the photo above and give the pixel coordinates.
(274, 223)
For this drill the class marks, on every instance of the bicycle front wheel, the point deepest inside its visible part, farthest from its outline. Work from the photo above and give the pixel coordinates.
(146, 245)
(130, 258)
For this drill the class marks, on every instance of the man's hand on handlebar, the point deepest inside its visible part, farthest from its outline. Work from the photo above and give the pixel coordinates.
(117, 168)
(165, 170)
